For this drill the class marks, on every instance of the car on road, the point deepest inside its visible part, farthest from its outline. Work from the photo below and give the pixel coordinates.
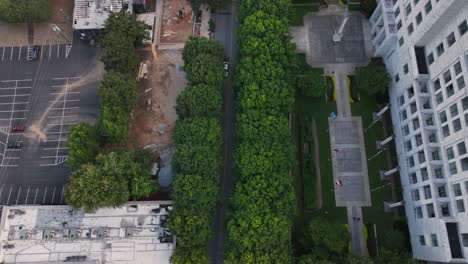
(226, 69)
(14, 145)
(34, 53)
(18, 128)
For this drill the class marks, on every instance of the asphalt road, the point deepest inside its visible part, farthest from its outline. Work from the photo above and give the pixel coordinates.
(51, 94)
(225, 33)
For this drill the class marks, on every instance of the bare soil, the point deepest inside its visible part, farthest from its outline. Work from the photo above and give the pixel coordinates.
(154, 116)
(174, 30)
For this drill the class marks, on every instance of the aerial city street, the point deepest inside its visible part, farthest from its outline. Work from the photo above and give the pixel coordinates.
(234, 131)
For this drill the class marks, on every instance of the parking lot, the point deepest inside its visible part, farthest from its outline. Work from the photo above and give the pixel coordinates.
(43, 97)
(46, 52)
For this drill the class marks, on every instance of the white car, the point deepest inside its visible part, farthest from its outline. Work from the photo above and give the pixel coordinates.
(226, 69)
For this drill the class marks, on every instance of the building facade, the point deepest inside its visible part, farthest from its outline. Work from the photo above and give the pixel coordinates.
(424, 44)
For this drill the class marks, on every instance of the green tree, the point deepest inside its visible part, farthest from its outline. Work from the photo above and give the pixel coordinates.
(312, 83)
(333, 236)
(113, 124)
(198, 45)
(368, 6)
(373, 79)
(199, 100)
(118, 90)
(394, 241)
(205, 69)
(195, 255)
(213, 4)
(133, 166)
(91, 188)
(25, 11)
(84, 145)
(121, 33)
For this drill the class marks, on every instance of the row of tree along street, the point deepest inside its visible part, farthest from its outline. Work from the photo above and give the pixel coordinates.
(114, 176)
(198, 146)
(263, 201)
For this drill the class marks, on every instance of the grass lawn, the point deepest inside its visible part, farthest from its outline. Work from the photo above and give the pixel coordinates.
(299, 13)
(320, 109)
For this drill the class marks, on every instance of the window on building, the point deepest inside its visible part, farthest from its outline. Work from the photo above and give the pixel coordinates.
(466, 186)
(397, 77)
(463, 28)
(434, 240)
(410, 92)
(416, 124)
(437, 84)
(429, 121)
(405, 69)
(435, 155)
(430, 210)
(466, 119)
(451, 39)
(424, 174)
(416, 2)
(438, 173)
(460, 206)
(449, 90)
(401, 41)
(464, 164)
(406, 130)
(418, 212)
(440, 49)
(446, 131)
(453, 110)
(450, 154)
(404, 116)
(447, 76)
(457, 189)
(443, 117)
(457, 68)
(430, 58)
(461, 148)
(461, 82)
(410, 29)
(419, 18)
(411, 161)
(413, 178)
(399, 25)
(456, 125)
(397, 12)
(421, 157)
(427, 192)
(418, 140)
(433, 138)
(413, 107)
(422, 241)
(439, 98)
(453, 168)
(428, 7)
(465, 240)
(401, 100)
(409, 146)
(445, 210)
(442, 191)
(465, 103)
(416, 196)
(408, 9)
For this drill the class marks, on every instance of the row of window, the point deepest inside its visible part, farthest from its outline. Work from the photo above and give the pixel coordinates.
(453, 73)
(434, 242)
(450, 40)
(444, 210)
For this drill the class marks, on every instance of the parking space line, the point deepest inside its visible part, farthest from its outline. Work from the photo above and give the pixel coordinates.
(62, 101)
(11, 54)
(53, 196)
(66, 108)
(43, 199)
(68, 116)
(52, 133)
(19, 54)
(27, 196)
(35, 196)
(12, 158)
(12, 150)
(11, 188)
(11, 88)
(3, 53)
(42, 50)
(1, 189)
(50, 50)
(68, 92)
(66, 78)
(61, 196)
(65, 124)
(17, 197)
(56, 148)
(18, 80)
(18, 95)
(13, 118)
(14, 103)
(15, 111)
(56, 140)
(58, 51)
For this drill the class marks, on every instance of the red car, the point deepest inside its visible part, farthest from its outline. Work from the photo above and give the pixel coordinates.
(18, 128)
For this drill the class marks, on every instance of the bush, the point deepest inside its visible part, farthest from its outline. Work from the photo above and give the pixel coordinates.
(25, 11)
(84, 145)
(373, 79)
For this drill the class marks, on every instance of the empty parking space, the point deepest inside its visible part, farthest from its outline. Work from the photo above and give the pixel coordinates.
(27, 53)
(11, 194)
(63, 113)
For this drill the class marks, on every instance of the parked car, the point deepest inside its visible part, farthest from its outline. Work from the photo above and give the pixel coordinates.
(226, 69)
(14, 145)
(18, 128)
(34, 53)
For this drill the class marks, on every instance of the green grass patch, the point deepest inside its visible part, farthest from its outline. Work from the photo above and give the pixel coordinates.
(299, 13)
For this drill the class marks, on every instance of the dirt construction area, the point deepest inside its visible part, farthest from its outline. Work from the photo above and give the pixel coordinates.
(154, 117)
(176, 25)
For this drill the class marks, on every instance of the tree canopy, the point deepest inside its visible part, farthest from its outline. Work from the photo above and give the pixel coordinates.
(84, 145)
(118, 90)
(25, 11)
(373, 79)
(311, 83)
(199, 100)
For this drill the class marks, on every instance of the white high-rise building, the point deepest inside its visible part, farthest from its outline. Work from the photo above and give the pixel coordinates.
(424, 44)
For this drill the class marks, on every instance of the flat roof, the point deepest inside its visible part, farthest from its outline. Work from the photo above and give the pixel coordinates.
(133, 233)
(92, 14)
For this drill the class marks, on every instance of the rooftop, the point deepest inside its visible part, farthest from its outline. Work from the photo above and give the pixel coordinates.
(92, 14)
(133, 233)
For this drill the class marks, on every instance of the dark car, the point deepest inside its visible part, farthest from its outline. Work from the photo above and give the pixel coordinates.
(226, 69)
(34, 53)
(14, 145)
(18, 128)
